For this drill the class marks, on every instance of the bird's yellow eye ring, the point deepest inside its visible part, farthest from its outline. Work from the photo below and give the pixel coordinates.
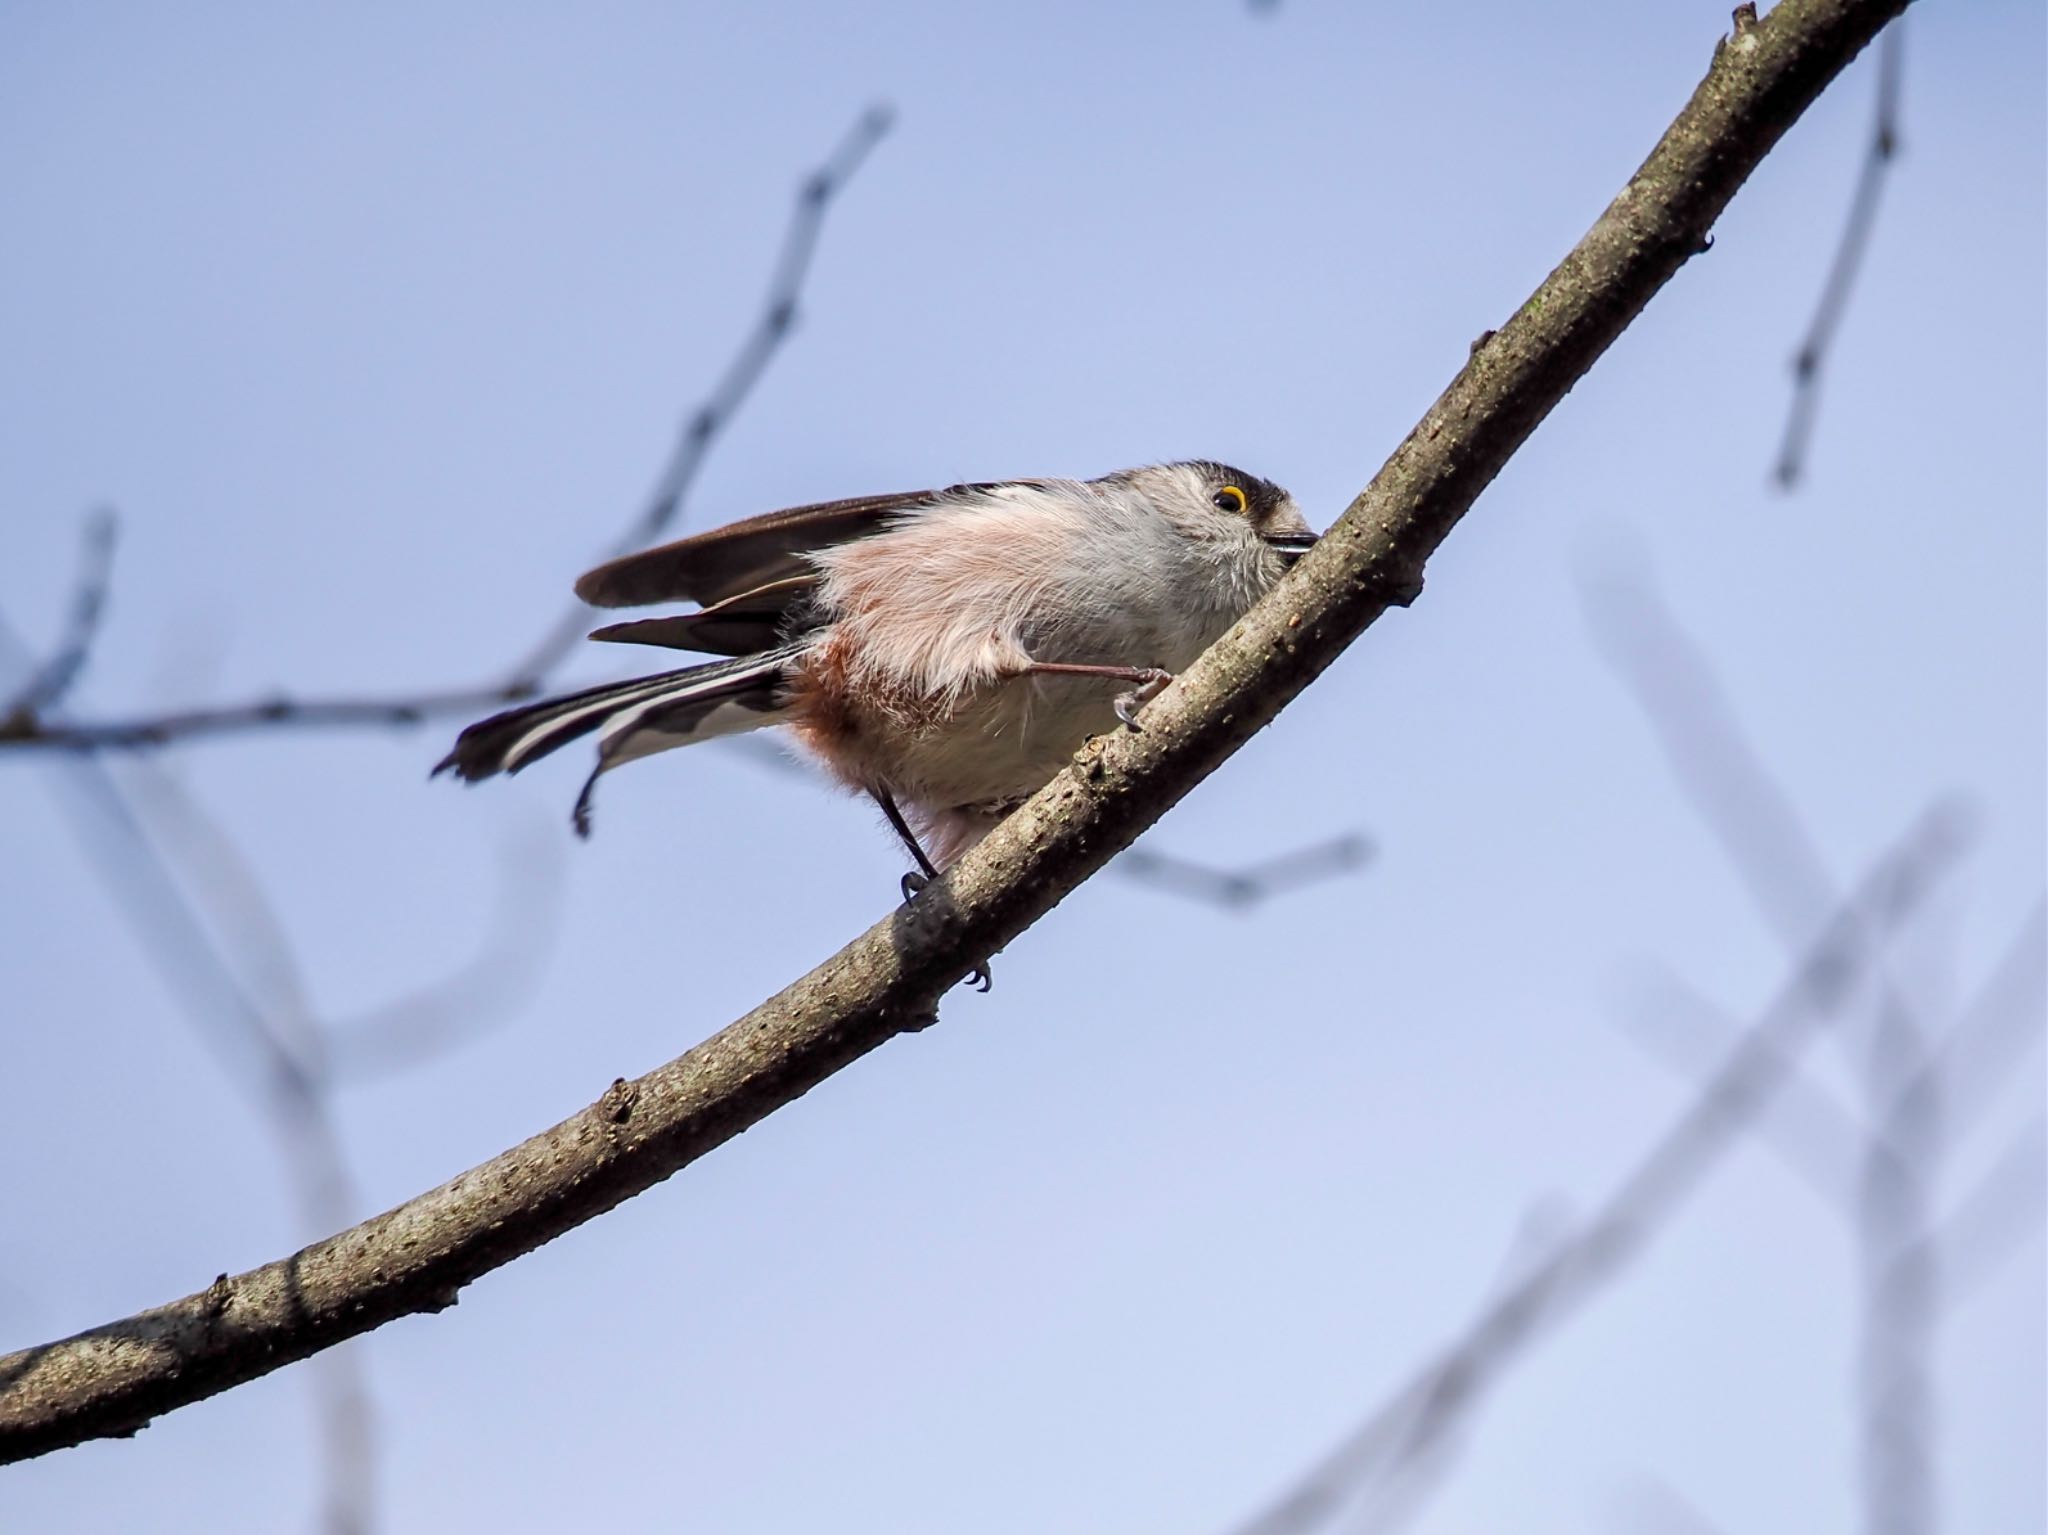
(1229, 499)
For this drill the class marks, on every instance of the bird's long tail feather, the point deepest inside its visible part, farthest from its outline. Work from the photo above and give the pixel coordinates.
(634, 719)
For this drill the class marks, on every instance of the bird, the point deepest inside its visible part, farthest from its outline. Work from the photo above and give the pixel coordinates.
(945, 652)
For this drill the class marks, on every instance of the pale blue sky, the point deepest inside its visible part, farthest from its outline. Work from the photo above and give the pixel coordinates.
(375, 324)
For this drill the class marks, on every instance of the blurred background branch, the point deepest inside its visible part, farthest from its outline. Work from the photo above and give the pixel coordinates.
(1810, 361)
(45, 685)
(1905, 1122)
(1252, 884)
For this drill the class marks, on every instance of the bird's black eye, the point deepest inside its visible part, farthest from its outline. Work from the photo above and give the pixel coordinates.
(1229, 499)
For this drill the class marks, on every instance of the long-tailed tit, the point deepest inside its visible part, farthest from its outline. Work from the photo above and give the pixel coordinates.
(946, 652)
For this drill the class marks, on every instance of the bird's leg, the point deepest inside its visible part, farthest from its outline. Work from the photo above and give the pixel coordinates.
(926, 872)
(1150, 682)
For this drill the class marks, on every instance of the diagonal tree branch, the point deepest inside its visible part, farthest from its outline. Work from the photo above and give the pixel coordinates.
(111, 1380)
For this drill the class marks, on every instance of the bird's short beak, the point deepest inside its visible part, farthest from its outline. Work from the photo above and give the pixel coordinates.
(1291, 546)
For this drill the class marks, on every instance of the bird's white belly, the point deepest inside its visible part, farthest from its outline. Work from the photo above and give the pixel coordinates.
(1007, 742)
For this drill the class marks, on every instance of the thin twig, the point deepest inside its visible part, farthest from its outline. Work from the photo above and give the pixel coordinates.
(47, 685)
(1243, 888)
(29, 727)
(1812, 355)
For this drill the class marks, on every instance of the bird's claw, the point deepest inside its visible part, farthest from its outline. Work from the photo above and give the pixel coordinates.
(1128, 704)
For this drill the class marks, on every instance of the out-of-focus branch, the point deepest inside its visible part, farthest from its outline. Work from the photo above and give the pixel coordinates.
(417, 1257)
(1813, 1132)
(1822, 1139)
(1253, 884)
(28, 726)
(1694, 724)
(275, 1053)
(1901, 1286)
(1415, 1425)
(1905, 1121)
(1994, 1030)
(47, 684)
(1812, 356)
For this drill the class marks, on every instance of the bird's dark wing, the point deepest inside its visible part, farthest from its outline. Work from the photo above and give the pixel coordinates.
(739, 626)
(742, 557)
